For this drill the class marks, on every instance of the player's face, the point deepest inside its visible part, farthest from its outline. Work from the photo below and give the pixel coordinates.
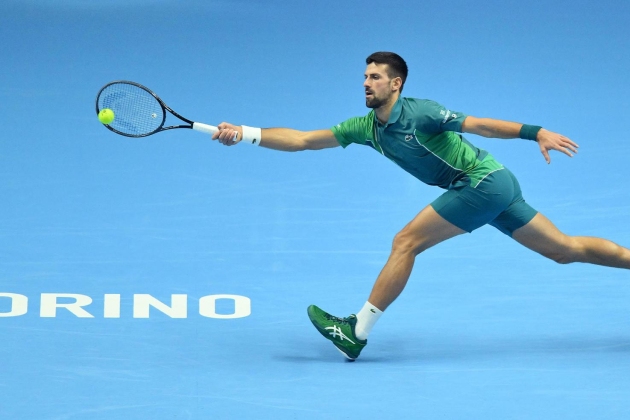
(378, 86)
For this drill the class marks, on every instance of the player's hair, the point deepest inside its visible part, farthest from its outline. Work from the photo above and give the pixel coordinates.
(395, 64)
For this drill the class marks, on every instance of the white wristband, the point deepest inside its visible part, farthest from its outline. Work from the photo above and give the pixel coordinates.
(251, 135)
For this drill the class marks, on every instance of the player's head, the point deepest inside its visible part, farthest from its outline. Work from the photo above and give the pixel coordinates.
(385, 76)
(396, 66)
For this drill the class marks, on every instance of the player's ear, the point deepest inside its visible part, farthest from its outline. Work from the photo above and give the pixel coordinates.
(396, 84)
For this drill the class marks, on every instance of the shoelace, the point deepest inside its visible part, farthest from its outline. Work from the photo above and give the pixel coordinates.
(337, 319)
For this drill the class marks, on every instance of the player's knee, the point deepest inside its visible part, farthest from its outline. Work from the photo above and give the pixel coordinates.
(406, 241)
(569, 252)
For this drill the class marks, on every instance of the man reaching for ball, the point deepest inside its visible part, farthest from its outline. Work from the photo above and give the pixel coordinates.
(421, 136)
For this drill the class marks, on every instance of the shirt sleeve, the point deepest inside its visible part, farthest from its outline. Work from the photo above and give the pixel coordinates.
(353, 130)
(433, 118)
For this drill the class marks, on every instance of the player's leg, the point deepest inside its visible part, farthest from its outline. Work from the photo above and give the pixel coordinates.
(427, 229)
(458, 210)
(543, 237)
(349, 334)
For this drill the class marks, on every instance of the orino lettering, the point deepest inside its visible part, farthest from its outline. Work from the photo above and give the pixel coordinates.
(52, 305)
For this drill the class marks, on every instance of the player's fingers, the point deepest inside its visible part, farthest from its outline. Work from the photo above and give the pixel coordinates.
(572, 146)
(565, 147)
(217, 134)
(227, 137)
(545, 154)
(232, 136)
(568, 140)
(565, 151)
(229, 140)
(221, 135)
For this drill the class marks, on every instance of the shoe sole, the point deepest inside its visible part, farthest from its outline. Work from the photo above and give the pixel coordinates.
(350, 359)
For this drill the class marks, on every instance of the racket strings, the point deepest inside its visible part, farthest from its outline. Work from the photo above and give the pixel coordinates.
(137, 112)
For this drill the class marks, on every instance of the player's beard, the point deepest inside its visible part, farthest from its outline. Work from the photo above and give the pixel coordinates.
(374, 102)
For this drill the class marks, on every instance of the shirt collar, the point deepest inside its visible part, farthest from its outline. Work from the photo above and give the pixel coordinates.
(395, 114)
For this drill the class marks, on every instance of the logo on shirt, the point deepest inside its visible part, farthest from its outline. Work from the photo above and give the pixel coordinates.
(409, 137)
(447, 116)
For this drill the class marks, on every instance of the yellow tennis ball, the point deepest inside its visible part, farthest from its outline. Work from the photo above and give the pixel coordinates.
(106, 116)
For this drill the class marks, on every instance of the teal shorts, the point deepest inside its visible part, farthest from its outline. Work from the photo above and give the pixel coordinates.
(497, 201)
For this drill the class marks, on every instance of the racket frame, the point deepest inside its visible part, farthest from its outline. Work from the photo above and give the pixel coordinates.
(205, 128)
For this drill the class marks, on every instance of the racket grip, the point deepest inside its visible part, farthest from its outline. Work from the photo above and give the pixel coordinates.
(205, 128)
(208, 129)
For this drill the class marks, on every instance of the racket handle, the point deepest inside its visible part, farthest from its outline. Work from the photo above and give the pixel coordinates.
(208, 129)
(205, 128)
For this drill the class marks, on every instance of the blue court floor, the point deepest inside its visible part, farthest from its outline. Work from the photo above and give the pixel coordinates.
(159, 291)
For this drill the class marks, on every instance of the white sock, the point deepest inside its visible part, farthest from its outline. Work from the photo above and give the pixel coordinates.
(366, 318)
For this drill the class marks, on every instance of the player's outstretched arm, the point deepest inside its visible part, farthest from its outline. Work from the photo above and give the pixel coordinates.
(285, 139)
(547, 140)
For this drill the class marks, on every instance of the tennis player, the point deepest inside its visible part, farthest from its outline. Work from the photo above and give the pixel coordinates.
(422, 137)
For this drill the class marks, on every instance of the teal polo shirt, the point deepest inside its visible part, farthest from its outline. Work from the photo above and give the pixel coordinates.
(422, 138)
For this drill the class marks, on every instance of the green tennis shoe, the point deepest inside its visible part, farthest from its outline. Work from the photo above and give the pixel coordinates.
(338, 330)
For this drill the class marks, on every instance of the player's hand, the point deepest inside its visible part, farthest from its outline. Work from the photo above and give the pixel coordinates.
(548, 140)
(228, 134)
